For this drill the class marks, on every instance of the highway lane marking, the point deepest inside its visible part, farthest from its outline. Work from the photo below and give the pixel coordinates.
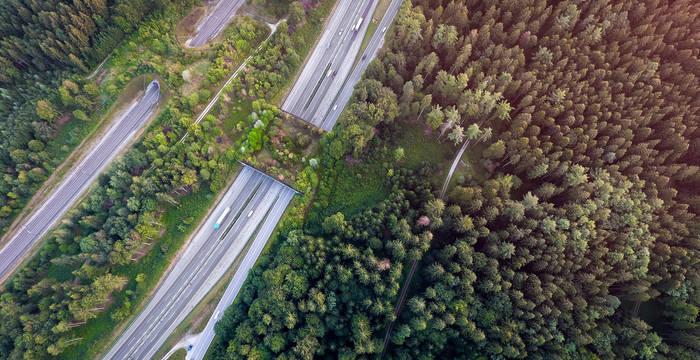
(244, 224)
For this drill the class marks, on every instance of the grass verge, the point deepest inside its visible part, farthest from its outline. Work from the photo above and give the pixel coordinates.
(379, 12)
(178, 355)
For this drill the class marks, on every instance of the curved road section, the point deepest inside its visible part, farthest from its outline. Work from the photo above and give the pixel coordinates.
(215, 23)
(251, 206)
(77, 182)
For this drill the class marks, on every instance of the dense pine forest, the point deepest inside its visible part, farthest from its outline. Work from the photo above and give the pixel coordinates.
(579, 239)
(569, 231)
(97, 267)
(45, 45)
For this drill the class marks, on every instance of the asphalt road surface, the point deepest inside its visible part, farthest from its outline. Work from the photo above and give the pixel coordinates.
(330, 114)
(215, 23)
(78, 181)
(331, 61)
(204, 339)
(256, 203)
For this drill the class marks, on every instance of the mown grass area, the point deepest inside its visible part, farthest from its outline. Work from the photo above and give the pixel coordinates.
(238, 110)
(420, 147)
(179, 222)
(178, 355)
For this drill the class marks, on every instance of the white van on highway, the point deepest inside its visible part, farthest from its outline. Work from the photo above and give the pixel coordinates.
(384, 30)
(335, 107)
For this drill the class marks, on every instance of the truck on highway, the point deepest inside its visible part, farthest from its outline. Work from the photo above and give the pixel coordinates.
(357, 26)
(221, 218)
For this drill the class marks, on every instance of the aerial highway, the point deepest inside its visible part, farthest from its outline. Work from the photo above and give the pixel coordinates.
(251, 206)
(330, 115)
(331, 61)
(215, 23)
(204, 339)
(78, 180)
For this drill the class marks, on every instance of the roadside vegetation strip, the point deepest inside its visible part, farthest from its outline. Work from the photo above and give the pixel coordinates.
(64, 247)
(206, 259)
(259, 242)
(90, 135)
(79, 181)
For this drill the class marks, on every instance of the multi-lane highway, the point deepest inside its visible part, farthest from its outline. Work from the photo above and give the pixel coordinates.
(78, 180)
(331, 61)
(255, 203)
(204, 339)
(215, 22)
(341, 98)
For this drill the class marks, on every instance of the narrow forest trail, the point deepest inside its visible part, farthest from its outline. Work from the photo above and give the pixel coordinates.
(412, 272)
(215, 99)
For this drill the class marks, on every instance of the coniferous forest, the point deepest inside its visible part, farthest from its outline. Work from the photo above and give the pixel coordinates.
(581, 239)
(44, 43)
(569, 230)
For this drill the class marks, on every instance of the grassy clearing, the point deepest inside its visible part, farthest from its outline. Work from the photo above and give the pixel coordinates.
(101, 331)
(420, 147)
(238, 110)
(351, 189)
